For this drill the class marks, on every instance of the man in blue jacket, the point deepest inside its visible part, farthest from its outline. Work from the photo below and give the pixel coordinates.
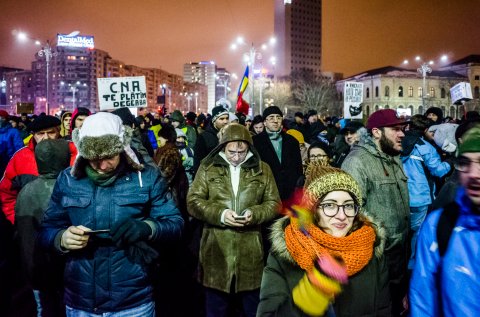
(107, 214)
(448, 284)
(421, 163)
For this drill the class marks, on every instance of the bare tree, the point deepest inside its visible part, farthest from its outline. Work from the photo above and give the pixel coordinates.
(314, 92)
(279, 93)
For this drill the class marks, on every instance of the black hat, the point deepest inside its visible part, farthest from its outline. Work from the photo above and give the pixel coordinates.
(44, 122)
(311, 113)
(299, 114)
(126, 116)
(351, 127)
(191, 116)
(271, 110)
(437, 111)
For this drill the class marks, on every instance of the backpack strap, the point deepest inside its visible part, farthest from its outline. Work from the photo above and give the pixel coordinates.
(446, 223)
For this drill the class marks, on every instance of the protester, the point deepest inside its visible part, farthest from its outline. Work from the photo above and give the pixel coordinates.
(107, 189)
(186, 154)
(10, 141)
(301, 141)
(42, 270)
(421, 163)
(22, 167)
(375, 164)
(304, 275)
(349, 136)
(78, 117)
(445, 277)
(233, 193)
(435, 114)
(66, 118)
(178, 122)
(257, 126)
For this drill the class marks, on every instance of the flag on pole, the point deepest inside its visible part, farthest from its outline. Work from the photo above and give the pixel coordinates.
(242, 105)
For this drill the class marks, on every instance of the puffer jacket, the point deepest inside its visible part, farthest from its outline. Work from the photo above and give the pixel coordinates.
(366, 294)
(225, 251)
(21, 169)
(385, 194)
(418, 156)
(460, 273)
(99, 278)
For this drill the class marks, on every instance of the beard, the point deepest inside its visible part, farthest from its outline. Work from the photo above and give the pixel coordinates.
(387, 146)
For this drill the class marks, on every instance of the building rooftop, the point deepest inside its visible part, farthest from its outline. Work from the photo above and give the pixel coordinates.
(403, 72)
(470, 59)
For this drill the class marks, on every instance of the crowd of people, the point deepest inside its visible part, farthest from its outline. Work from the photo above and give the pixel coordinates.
(228, 215)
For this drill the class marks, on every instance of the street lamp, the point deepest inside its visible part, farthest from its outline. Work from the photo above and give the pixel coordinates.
(250, 57)
(423, 70)
(74, 89)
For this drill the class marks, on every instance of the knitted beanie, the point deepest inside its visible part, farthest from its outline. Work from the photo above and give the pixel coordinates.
(471, 141)
(320, 180)
(297, 135)
(271, 110)
(217, 112)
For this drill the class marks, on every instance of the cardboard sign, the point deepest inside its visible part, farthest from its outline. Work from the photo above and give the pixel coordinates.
(120, 92)
(353, 99)
(461, 92)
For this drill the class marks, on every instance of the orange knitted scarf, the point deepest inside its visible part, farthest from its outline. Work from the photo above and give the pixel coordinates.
(356, 249)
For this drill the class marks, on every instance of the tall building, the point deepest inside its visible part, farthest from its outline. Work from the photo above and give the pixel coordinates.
(222, 83)
(202, 73)
(298, 30)
(19, 89)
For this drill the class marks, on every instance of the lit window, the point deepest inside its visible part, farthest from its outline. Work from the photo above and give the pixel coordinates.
(432, 92)
(410, 91)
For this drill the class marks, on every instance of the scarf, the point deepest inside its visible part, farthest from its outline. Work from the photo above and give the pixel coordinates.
(102, 180)
(356, 249)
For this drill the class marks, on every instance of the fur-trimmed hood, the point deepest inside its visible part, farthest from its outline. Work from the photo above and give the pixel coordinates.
(279, 245)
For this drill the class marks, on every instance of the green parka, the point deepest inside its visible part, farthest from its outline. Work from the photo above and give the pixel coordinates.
(226, 252)
(385, 194)
(366, 294)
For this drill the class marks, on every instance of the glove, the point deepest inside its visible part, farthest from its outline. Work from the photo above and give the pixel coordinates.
(130, 231)
(319, 286)
(141, 253)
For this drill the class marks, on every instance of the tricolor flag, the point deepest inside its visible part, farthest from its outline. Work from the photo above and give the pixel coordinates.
(242, 105)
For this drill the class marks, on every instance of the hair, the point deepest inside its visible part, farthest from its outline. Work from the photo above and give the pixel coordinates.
(168, 132)
(320, 145)
(419, 122)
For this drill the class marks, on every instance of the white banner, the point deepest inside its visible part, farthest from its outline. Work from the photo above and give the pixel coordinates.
(461, 92)
(120, 92)
(353, 99)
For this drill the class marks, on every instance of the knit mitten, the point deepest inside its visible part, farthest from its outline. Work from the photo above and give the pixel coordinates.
(319, 286)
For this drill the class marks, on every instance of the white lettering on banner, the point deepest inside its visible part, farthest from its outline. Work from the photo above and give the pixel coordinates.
(75, 41)
(117, 92)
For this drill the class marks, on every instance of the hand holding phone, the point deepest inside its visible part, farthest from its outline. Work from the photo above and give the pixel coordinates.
(240, 217)
(93, 232)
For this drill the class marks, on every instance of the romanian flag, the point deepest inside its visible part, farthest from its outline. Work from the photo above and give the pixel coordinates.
(242, 105)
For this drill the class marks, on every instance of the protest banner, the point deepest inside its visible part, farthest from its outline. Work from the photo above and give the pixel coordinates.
(461, 92)
(353, 99)
(119, 92)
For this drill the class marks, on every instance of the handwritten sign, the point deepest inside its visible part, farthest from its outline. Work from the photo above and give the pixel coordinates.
(120, 92)
(461, 92)
(353, 99)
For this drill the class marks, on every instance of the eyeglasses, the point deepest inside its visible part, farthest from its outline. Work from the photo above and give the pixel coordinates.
(465, 165)
(319, 156)
(273, 118)
(331, 209)
(232, 154)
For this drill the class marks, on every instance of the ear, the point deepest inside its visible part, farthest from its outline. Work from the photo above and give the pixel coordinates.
(376, 133)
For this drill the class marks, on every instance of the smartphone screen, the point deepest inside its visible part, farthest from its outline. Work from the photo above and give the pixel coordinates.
(97, 231)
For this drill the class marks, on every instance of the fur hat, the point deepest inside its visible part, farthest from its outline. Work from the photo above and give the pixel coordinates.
(271, 110)
(436, 111)
(103, 135)
(218, 111)
(320, 180)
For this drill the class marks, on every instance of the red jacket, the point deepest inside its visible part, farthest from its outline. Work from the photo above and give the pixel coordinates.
(21, 168)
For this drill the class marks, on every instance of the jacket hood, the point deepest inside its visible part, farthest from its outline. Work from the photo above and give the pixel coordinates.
(411, 138)
(279, 245)
(52, 157)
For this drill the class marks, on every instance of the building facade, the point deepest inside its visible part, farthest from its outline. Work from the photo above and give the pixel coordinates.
(202, 73)
(298, 30)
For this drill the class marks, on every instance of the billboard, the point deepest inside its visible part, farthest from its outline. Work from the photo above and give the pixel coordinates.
(120, 92)
(75, 40)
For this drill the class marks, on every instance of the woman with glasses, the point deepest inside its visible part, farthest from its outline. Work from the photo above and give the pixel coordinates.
(327, 255)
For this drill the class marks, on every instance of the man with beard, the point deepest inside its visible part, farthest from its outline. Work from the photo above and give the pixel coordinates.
(376, 165)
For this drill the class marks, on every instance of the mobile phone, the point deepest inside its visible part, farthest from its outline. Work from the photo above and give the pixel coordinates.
(97, 231)
(240, 217)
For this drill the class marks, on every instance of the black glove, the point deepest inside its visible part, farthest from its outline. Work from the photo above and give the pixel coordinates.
(141, 253)
(130, 231)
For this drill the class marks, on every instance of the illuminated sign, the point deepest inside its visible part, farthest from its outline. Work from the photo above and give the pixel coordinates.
(70, 40)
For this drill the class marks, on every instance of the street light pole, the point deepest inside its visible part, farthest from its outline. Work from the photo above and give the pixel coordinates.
(196, 102)
(47, 52)
(423, 70)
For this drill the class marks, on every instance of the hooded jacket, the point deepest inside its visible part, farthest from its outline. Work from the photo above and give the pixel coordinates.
(385, 194)
(21, 169)
(228, 252)
(366, 293)
(10, 142)
(42, 270)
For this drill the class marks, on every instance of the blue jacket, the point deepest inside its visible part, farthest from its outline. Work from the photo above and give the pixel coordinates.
(10, 142)
(460, 276)
(100, 278)
(419, 190)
